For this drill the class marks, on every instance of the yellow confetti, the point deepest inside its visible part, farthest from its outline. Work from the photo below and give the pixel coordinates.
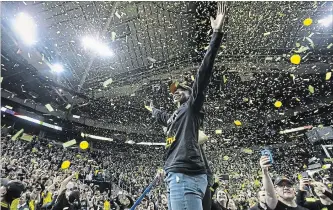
(218, 131)
(192, 78)
(328, 75)
(324, 167)
(297, 99)
(278, 104)
(84, 145)
(299, 176)
(311, 89)
(65, 164)
(295, 59)
(1, 78)
(298, 44)
(310, 40)
(107, 82)
(307, 22)
(267, 33)
(245, 99)
(247, 151)
(224, 79)
(226, 158)
(237, 122)
(329, 46)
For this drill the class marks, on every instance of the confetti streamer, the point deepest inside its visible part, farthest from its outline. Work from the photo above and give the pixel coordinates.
(113, 35)
(267, 33)
(311, 89)
(107, 82)
(328, 75)
(117, 14)
(310, 41)
(49, 107)
(218, 131)
(151, 59)
(302, 49)
(68, 106)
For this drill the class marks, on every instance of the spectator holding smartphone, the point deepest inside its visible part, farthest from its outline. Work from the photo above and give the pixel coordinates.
(325, 196)
(282, 196)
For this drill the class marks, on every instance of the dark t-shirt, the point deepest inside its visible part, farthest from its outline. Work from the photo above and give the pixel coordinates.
(183, 153)
(282, 206)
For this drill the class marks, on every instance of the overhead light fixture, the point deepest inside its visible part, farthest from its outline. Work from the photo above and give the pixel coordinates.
(83, 135)
(130, 142)
(57, 68)
(96, 46)
(26, 28)
(296, 129)
(8, 111)
(326, 21)
(151, 144)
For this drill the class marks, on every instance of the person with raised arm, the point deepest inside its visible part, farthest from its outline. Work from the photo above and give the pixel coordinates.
(186, 174)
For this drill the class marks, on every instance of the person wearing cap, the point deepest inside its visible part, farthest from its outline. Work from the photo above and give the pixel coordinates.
(186, 174)
(10, 191)
(282, 196)
(325, 195)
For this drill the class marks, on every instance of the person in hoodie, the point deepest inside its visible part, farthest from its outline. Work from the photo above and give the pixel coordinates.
(10, 191)
(186, 174)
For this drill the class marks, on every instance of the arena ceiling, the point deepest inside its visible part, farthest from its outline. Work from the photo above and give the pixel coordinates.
(156, 42)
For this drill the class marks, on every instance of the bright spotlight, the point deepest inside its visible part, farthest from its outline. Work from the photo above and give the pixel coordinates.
(326, 21)
(26, 28)
(57, 68)
(96, 46)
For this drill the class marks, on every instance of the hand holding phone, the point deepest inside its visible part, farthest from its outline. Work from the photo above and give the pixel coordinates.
(265, 163)
(267, 153)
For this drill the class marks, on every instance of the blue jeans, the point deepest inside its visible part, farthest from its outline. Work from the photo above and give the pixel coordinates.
(185, 192)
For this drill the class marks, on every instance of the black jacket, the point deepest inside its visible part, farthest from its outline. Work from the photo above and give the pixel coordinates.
(183, 152)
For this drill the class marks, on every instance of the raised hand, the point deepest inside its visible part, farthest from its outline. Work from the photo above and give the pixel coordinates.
(304, 182)
(265, 163)
(218, 22)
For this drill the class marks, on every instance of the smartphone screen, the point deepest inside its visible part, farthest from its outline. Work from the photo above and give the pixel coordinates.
(305, 175)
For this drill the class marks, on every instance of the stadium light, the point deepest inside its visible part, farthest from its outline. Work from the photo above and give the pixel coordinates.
(151, 144)
(83, 135)
(96, 46)
(57, 68)
(326, 21)
(26, 28)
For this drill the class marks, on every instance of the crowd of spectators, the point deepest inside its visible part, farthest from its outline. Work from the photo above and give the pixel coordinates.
(113, 176)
